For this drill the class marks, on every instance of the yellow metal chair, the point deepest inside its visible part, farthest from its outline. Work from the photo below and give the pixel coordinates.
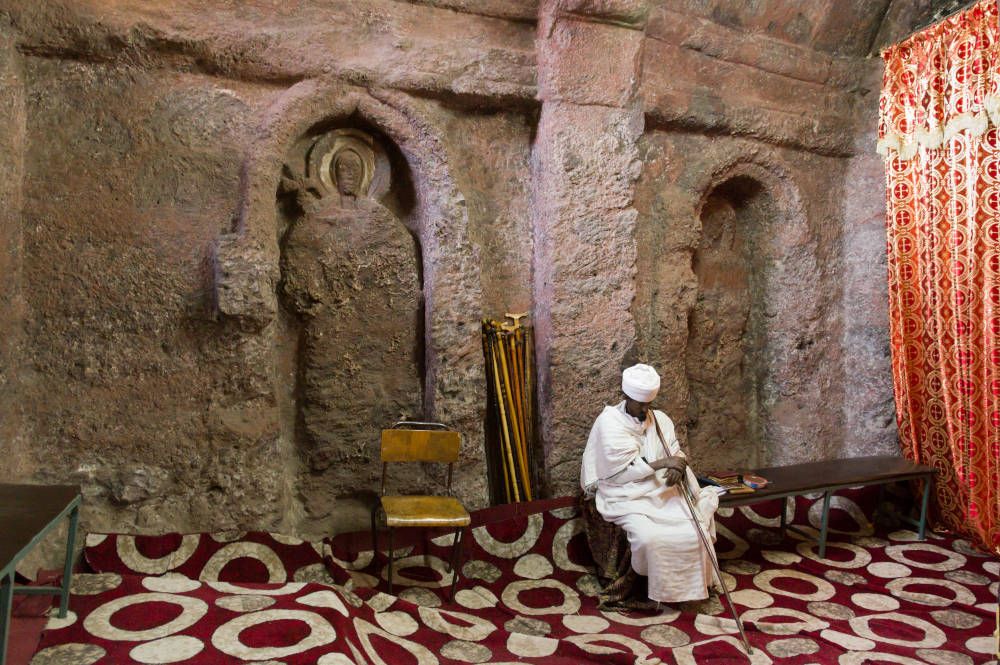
(420, 442)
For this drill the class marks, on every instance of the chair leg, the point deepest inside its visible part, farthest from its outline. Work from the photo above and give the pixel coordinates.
(456, 559)
(375, 533)
(456, 548)
(391, 556)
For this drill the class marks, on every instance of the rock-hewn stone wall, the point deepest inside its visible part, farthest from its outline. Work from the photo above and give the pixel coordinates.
(557, 157)
(869, 412)
(797, 345)
(584, 169)
(133, 387)
(13, 433)
(724, 358)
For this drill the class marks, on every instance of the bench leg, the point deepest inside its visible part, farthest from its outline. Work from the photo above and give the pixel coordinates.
(928, 488)
(878, 504)
(74, 519)
(823, 525)
(6, 600)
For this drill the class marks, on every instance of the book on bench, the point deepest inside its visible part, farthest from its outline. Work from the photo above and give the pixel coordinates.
(733, 482)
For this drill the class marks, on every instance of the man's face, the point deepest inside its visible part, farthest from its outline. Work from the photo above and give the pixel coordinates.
(636, 409)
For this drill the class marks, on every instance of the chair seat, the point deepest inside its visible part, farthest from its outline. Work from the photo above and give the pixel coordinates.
(418, 510)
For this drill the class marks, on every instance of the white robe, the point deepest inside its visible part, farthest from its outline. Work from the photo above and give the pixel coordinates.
(665, 546)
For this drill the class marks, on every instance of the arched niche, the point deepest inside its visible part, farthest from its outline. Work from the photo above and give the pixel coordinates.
(351, 296)
(248, 275)
(725, 363)
(756, 307)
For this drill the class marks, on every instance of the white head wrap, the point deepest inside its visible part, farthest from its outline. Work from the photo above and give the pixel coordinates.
(641, 383)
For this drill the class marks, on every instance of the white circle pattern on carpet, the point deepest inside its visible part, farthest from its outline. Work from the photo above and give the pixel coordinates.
(528, 594)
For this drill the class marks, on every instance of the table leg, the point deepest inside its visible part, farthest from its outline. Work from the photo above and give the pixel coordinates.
(74, 519)
(822, 529)
(6, 600)
(928, 488)
(878, 504)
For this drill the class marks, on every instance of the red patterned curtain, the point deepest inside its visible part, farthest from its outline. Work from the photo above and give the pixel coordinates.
(938, 132)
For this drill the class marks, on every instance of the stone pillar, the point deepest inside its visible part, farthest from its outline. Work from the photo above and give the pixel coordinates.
(869, 411)
(585, 164)
(13, 452)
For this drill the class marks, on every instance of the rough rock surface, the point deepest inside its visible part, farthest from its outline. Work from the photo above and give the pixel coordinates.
(723, 356)
(784, 200)
(348, 272)
(13, 436)
(585, 168)
(690, 184)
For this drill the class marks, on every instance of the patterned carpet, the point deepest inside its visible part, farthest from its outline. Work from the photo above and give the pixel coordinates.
(527, 595)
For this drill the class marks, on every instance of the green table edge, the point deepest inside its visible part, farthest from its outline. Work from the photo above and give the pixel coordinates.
(70, 507)
(928, 475)
(7, 586)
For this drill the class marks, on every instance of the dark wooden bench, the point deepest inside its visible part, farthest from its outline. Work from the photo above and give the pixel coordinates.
(828, 477)
(27, 514)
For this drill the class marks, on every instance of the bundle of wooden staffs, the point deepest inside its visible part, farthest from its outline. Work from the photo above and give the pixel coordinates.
(507, 349)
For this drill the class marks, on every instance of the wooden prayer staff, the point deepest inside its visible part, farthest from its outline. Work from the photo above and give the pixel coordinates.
(706, 543)
(506, 349)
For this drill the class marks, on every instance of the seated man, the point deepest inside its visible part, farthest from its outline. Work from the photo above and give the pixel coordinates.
(634, 464)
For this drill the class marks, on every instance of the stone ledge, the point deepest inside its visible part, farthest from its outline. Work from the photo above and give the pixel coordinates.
(760, 52)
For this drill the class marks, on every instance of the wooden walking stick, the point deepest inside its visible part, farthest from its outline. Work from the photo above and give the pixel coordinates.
(527, 353)
(522, 419)
(516, 342)
(517, 321)
(509, 378)
(503, 417)
(513, 425)
(498, 457)
(685, 492)
(524, 406)
(513, 348)
(508, 419)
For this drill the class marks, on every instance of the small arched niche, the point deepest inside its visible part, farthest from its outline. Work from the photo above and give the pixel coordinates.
(727, 364)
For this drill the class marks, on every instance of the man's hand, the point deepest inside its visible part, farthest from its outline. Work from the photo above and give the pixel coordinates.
(674, 469)
(672, 477)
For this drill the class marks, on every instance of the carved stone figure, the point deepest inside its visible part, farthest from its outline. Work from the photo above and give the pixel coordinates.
(351, 272)
(348, 172)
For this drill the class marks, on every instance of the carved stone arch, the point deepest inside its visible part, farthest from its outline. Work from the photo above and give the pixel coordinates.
(788, 289)
(776, 178)
(247, 259)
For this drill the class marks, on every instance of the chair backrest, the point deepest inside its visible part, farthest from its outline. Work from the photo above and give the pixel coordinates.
(414, 445)
(419, 445)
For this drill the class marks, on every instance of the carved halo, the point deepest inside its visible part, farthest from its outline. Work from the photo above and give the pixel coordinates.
(323, 155)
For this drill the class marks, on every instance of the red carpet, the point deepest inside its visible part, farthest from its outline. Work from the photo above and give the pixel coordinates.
(28, 619)
(526, 596)
(29, 614)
